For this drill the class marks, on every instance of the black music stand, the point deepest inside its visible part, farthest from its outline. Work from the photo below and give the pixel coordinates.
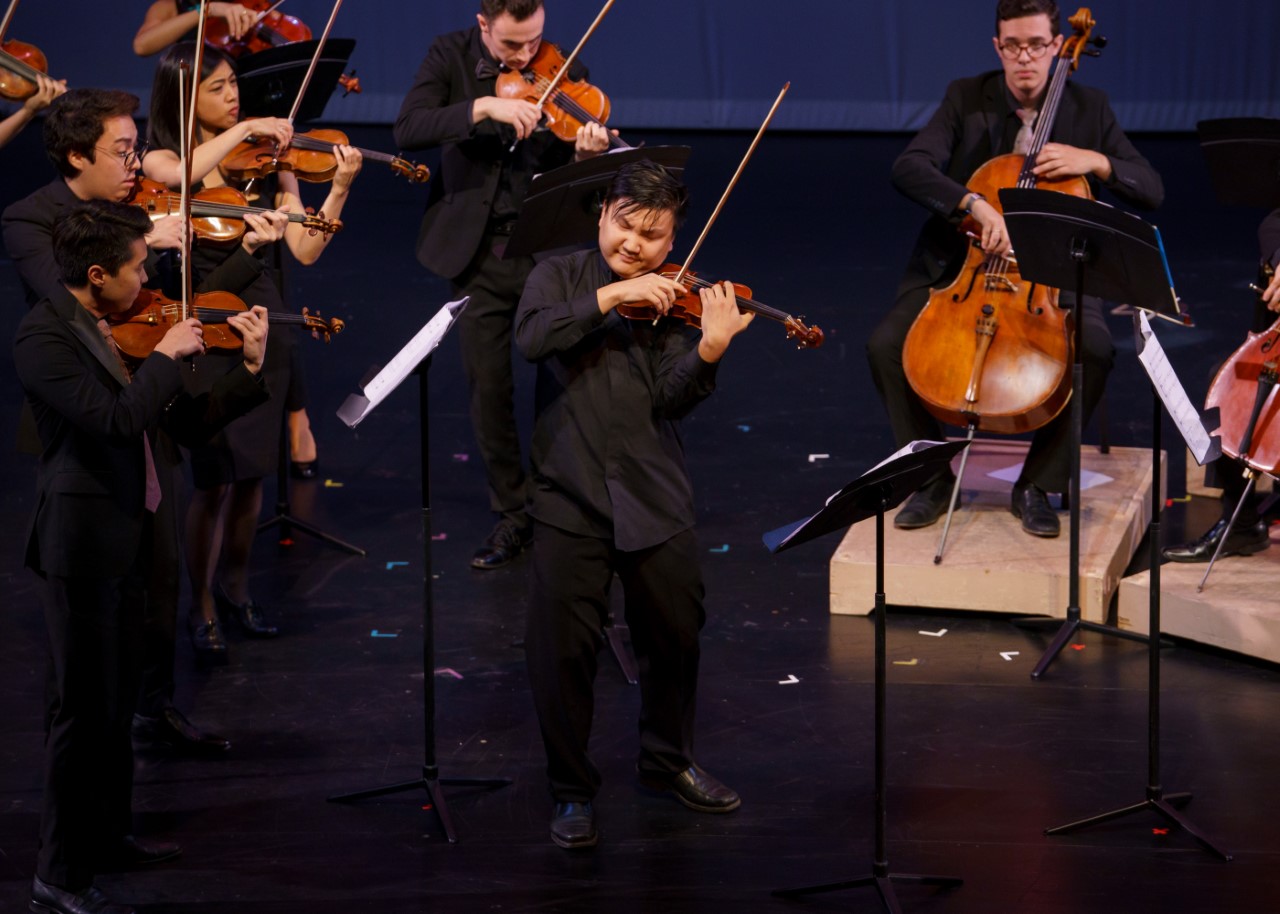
(270, 80)
(352, 412)
(1126, 261)
(1056, 236)
(563, 206)
(1244, 159)
(871, 495)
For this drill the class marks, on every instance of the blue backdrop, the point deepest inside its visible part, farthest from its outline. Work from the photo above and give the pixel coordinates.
(853, 64)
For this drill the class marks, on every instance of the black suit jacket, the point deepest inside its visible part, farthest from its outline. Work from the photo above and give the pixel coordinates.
(28, 237)
(90, 513)
(437, 112)
(1269, 238)
(968, 129)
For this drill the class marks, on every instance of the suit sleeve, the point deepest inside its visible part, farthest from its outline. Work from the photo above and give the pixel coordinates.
(1132, 176)
(29, 241)
(683, 379)
(235, 274)
(427, 118)
(1269, 238)
(192, 421)
(919, 173)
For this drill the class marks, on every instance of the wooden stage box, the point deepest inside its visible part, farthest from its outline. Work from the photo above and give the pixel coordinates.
(1239, 609)
(990, 564)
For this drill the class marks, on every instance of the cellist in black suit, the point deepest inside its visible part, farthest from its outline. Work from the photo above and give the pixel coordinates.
(490, 151)
(91, 533)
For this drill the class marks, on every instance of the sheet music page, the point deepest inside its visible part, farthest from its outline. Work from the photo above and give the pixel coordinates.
(1153, 358)
(406, 360)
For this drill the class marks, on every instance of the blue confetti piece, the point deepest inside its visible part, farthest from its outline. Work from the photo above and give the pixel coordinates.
(744, 428)
(377, 634)
(391, 565)
(724, 548)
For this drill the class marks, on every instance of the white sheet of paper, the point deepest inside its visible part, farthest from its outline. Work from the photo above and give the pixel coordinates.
(1152, 356)
(1088, 478)
(406, 360)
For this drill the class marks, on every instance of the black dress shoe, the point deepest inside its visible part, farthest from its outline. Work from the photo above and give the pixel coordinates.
(926, 505)
(249, 615)
(696, 789)
(502, 545)
(573, 825)
(1031, 505)
(304, 469)
(172, 732)
(1243, 540)
(130, 852)
(49, 899)
(209, 643)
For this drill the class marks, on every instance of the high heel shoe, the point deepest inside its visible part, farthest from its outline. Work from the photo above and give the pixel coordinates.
(209, 644)
(252, 620)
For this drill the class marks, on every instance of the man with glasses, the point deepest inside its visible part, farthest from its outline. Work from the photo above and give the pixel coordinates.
(982, 117)
(92, 140)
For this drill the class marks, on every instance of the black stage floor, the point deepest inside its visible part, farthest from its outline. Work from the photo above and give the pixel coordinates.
(980, 758)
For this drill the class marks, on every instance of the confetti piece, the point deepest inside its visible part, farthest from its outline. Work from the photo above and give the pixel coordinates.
(330, 484)
(814, 458)
(1183, 500)
(912, 662)
(448, 671)
(1159, 831)
(724, 548)
(1077, 647)
(286, 542)
(790, 680)
(938, 634)
(461, 458)
(744, 428)
(437, 537)
(749, 624)
(1009, 655)
(391, 565)
(377, 634)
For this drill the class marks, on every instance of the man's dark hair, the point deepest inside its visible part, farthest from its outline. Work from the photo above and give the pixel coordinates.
(74, 123)
(646, 185)
(163, 130)
(96, 232)
(519, 10)
(1017, 9)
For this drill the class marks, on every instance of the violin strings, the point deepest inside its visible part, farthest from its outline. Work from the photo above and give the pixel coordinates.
(759, 307)
(565, 102)
(312, 144)
(18, 66)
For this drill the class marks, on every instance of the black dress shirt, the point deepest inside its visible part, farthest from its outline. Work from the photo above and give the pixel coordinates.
(607, 457)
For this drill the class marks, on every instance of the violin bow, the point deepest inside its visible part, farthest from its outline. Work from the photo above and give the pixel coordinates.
(732, 183)
(315, 59)
(187, 118)
(8, 16)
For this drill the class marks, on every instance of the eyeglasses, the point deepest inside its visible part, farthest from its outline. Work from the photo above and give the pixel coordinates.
(1011, 50)
(130, 158)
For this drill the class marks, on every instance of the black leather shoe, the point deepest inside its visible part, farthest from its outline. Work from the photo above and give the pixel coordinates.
(1245, 540)
(696, 789)
(130, 852)
(304, 469)
(505, 542)
(172, 732)
(573, 825)
(249, 615)
(209, 643)
(1031, 505)
(927, 505)
(49, 899)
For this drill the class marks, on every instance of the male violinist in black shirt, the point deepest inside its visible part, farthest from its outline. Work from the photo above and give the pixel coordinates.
(611, 495)
(491, 149)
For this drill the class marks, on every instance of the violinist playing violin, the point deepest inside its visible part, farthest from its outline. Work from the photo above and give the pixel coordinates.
(979, 118)
(170, 21)
(611, 495)
(1249, 535)
(471, 209)
(101, 492)
(228, 471)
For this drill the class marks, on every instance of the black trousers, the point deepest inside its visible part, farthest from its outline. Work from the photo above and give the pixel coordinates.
(1047, 462)
(485, 335)
(164, 585)
(567, 612)
(95, 632)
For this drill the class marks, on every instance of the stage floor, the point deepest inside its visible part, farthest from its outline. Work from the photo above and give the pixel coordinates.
(980, 758)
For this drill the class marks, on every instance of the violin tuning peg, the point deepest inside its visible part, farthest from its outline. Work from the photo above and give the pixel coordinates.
(1098, 41)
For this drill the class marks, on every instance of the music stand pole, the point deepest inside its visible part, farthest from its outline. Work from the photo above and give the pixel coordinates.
(879, 497)
(430, 781)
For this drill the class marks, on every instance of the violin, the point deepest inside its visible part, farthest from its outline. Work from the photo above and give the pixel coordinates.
(273, 30)
(138, 330)
(992, 351)
(310, 157)
(218, 212)
(570, 104)
(688, 308)
(20, 64)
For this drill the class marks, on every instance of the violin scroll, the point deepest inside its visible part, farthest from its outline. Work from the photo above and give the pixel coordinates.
(806, 337)
(412, 171)
(321, 328)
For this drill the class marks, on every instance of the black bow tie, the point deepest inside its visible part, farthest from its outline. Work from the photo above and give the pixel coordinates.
(486, 70)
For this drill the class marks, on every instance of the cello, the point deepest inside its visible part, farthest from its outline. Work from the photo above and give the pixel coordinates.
(992, 351)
